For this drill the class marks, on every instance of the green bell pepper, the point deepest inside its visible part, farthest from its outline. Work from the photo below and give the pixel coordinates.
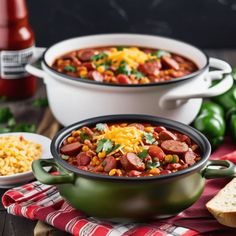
(210, 122)
(231, 118)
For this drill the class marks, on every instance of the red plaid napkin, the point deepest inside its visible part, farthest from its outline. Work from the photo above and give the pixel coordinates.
(37, 201)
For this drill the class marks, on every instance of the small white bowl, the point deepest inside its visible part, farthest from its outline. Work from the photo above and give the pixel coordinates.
(10, 181)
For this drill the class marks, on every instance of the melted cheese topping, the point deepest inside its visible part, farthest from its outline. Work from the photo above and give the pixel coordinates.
(129, 138)
(132, 56)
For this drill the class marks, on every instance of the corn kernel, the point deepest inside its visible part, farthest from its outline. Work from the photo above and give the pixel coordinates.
(154, 171)
(85, 148)
(101, 69)
(83, 73)
(76, 133)
(168, 158)
(112, 172)
(70, 139)
(144, 80)
(149, 129)
(101, 154)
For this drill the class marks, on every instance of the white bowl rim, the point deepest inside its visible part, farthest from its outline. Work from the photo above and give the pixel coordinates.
(87, 81)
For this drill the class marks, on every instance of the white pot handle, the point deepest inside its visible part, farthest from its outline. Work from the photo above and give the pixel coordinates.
(34, 67)
(176, 98)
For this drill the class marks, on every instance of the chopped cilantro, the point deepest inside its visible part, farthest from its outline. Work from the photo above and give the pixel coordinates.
(84, 136)
(151, 165)
(138, 75)
(113, 148)
(143, 154)
(149, 138)
(69, 68)
(123, 69)
(120, 48)
(101, 126)
(104, 145)
(160, 53)
(99, 56)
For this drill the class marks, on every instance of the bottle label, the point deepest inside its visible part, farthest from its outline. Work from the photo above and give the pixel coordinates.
(12, 63)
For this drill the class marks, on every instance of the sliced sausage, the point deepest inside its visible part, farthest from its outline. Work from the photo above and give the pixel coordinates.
(183, 138)
(95, 75)
(189, 157)
(134, 173)
(137, 125)
(131, 161)
(86, 54)
(155, 151)
(158, 129)
(170, 62)
(123, 79)
(109, 163)
(71, 149)
(167, 135)
(150, 68)
(173, 166)
(83, 159)
(165, 172)
(174, 147)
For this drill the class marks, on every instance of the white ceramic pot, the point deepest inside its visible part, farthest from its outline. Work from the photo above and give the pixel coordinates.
(73, 99)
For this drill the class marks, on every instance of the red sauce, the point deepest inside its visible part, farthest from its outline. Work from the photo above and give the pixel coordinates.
(15, 36)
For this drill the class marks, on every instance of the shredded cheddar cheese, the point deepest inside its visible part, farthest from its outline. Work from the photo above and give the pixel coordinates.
(131, 56)
(129, 138)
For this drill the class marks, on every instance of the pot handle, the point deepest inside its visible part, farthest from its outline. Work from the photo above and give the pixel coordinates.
(178, 97)
(34, 67)
(44, 177)
(229, 169)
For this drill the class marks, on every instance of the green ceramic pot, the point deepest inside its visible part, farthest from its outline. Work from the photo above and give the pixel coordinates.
(129, 198)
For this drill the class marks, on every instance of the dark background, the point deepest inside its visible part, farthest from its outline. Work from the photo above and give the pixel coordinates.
(205, 23)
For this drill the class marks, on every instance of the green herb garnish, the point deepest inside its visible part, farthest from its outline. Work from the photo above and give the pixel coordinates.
(120, 48)
(40, 102)
(70, 68)
(160, 53)
(101, 126)
(143, 154)
(138, 75)
(5, 114)
(104, 145)
(84, 136)
(123, 69)
(150, 139)
(113, 148)
(151, 165)
(99, 56)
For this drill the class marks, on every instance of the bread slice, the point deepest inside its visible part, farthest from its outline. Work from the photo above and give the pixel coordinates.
(223, 205)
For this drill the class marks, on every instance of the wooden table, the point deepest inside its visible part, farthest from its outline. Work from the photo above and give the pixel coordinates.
(13, 226)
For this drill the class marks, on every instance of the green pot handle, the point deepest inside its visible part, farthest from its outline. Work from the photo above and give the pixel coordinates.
(44, 177)
(229, 169)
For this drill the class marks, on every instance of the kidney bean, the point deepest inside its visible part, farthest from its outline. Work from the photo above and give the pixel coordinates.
(173, 166)
(123, 79)
(109, 163)
(155, 151)
(174, 147)
(131, 161)
(85, 55)
(134, 173)
(71, 149)
(83, 159)
(87, 130)
(96, 76)
(165, 172)
(89, 65)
